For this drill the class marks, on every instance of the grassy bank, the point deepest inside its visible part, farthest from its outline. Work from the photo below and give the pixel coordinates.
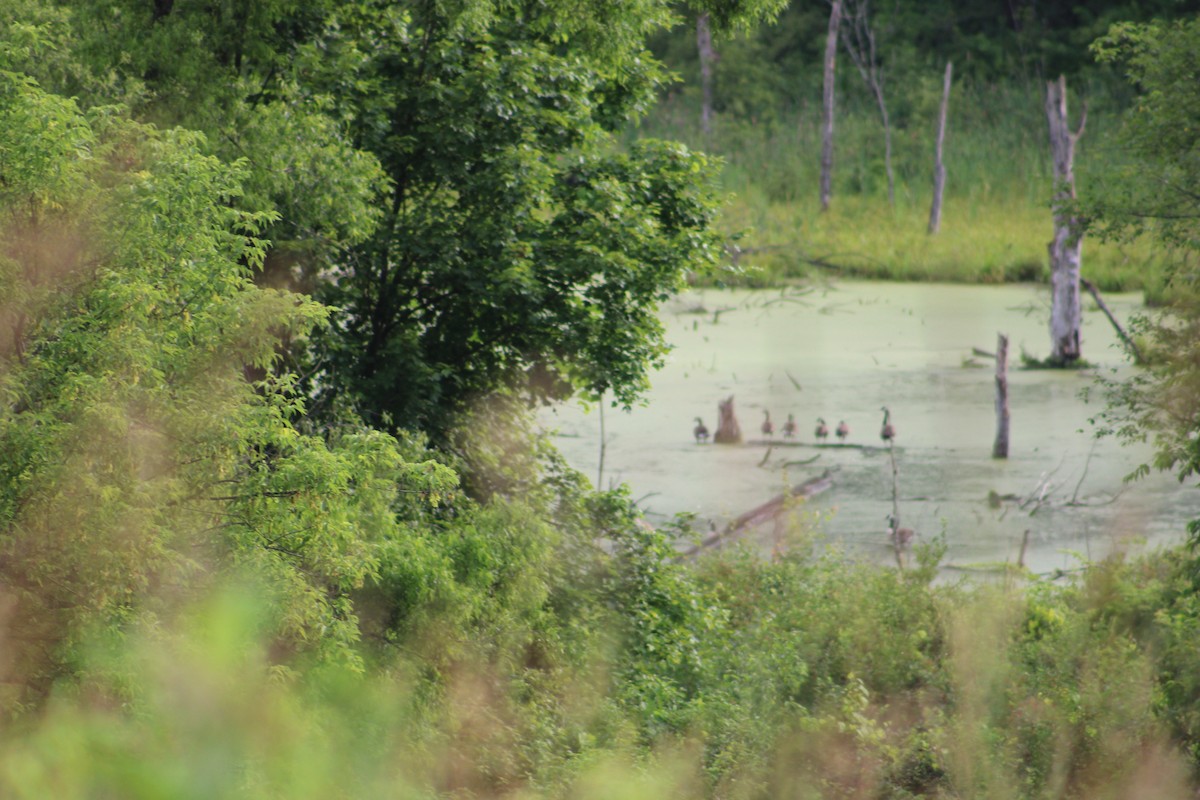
(991, 240)
(996, 219)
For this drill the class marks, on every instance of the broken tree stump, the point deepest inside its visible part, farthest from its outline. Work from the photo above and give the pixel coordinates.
(728, 430)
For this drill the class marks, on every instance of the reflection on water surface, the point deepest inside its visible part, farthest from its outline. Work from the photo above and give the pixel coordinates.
(842, 352)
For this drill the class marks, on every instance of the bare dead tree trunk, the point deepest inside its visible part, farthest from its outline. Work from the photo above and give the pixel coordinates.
(835, 19)
(939, 167)
(1067, 245)
(1000, 448)
(859, 39)
(707, 57)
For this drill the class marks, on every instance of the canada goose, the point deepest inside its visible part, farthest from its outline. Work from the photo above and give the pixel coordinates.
(700, 432)
(843, 430)
(888, 431)
(901, 537)
(789, 427)
(822, 431)
(768, 427)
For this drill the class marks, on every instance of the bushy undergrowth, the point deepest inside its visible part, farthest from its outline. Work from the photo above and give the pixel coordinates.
(645, 676)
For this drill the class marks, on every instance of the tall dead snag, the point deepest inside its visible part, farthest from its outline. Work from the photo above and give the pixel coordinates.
(835, 21)
(1067, 245)
(1000, 448)
(939, 168)
(707, 57)
(858, 35)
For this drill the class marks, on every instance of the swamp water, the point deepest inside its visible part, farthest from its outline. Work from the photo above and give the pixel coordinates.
(842, 352)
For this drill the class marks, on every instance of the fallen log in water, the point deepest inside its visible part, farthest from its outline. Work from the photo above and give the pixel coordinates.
(767, 511)
(817, 445)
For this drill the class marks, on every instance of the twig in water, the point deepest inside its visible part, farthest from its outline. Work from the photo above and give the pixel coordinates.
(801, 463)
(1075, 495)
(766, 455)
(1108, 502)
(1041, 489)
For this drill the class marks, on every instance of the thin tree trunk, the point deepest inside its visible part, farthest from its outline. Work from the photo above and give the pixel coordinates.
(835, 18)
(1067, 245)
(707, 57)
(1000, 448)
(887, 145)
(603, 448)
(939, 167)
(859, 39)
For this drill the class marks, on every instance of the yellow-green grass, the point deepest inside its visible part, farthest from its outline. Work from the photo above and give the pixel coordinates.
(985, 239)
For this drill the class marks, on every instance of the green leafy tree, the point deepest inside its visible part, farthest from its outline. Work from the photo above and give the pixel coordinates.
(445, 176)
(519, 249)
(138, 464)
(1158, 194)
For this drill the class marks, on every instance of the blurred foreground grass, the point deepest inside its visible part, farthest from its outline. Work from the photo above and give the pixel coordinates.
(826, 679)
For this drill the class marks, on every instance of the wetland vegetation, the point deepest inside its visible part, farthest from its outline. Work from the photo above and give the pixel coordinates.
(287, 291)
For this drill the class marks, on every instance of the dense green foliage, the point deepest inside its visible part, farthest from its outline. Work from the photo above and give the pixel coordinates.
(1156, 196)
(450, 188)
(256, 258)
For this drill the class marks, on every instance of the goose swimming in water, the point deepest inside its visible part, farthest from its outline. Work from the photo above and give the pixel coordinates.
(789, 427)
(901, 537)
(768, 427)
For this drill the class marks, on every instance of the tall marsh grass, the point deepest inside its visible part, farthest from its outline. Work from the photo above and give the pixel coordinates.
(996, 219)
